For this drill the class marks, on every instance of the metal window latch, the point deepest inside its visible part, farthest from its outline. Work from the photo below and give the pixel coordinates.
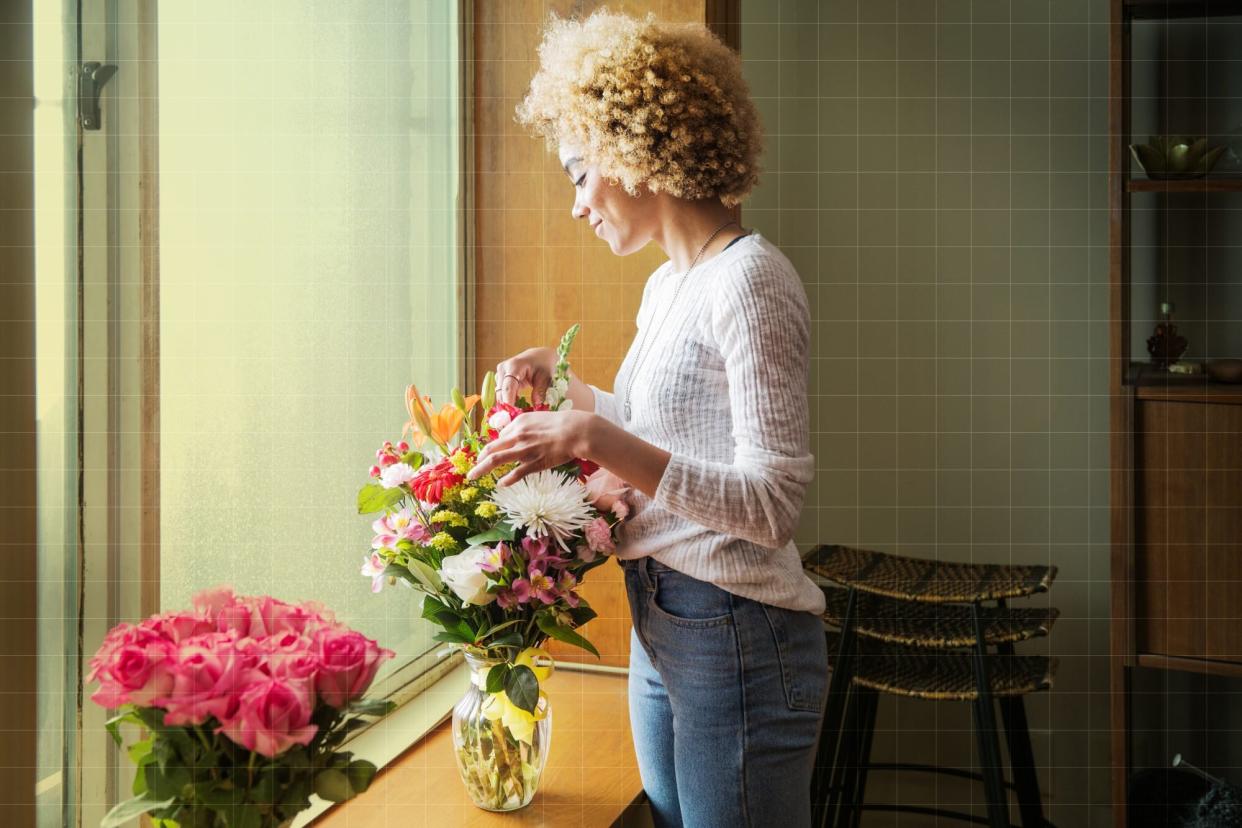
(91, 82)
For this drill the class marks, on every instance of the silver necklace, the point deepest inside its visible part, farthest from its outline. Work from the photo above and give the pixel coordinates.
(642, 351)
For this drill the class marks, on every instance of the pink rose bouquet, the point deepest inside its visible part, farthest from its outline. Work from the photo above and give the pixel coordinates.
(245, 702)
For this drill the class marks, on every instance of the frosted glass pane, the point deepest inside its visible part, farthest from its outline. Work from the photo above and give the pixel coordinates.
(308, 261)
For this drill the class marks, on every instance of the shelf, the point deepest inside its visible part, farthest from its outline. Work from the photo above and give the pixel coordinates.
(1193, 185)
(1191, 665)
(1150, 383)
(1166, 9)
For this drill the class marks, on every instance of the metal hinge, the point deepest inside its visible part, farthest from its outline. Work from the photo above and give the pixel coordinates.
(91, 82)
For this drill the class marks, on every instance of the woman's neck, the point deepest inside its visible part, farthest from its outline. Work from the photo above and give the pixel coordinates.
(687, 225)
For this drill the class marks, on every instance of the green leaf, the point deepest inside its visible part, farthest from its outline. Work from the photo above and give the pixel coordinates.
(429, 578)
(113, 725)
(522, 687)
(360, 773)
(372, 707)
(333, 785)
(373, 497)
(496, 678)
(139, 751)
(500, 532)
(452, 638)
(565, 634)
(414, 458)
(513, 639)
(244, 816)
(131, 808)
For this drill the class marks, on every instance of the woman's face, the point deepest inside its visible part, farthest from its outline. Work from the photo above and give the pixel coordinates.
(622, 220)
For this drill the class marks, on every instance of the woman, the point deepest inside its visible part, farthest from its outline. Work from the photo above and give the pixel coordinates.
(708, 422)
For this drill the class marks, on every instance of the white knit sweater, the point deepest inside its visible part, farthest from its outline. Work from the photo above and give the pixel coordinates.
(723, 388)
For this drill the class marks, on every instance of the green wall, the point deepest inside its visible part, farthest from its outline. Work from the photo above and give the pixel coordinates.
(937, 171)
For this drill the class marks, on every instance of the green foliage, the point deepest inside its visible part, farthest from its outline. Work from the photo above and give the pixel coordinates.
(373, 497)
(194, 778)
(560, 633)
(522, 687)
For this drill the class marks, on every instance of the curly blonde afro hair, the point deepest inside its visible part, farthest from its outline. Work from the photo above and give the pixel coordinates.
(648, 103)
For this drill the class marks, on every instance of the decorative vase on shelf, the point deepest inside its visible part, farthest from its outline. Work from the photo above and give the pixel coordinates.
(500, 749)
(1165, 345)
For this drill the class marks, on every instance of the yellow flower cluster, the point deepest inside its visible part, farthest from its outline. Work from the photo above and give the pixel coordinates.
(487, 510)
(444, 542)
(449, 517)
(468, 494)
(461, 462)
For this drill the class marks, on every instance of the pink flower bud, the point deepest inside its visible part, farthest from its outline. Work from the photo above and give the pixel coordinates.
(403, 447)
(374, 471)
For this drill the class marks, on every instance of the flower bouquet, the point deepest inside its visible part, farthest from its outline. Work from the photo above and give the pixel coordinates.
(243, 703)
(498, 568)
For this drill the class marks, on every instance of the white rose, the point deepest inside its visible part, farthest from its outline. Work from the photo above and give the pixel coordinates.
(462, 574)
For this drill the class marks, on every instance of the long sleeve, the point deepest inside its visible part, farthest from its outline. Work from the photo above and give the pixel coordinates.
(606, 405)
(761, 325)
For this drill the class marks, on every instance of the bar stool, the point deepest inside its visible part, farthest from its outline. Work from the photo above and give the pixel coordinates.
(920, 628)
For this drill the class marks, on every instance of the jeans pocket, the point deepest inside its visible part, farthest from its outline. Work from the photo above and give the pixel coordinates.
(689, 602)
(803, 654)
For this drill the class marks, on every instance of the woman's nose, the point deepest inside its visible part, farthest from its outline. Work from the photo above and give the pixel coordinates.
(579, 209)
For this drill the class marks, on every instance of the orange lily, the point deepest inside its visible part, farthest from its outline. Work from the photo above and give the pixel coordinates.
(419, 425)
(445, 424)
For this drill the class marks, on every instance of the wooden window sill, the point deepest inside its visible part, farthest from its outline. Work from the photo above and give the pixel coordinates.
(591, 778)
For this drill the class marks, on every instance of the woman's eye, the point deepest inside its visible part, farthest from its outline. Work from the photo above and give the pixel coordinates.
(580, 180)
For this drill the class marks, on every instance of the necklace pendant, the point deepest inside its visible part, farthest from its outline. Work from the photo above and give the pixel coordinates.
(627, 411)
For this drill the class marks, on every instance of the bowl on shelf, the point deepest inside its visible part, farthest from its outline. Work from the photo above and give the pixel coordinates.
(1169, 157)
(1225, 370)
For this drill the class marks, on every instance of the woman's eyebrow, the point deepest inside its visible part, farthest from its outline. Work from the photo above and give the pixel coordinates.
(569, 163)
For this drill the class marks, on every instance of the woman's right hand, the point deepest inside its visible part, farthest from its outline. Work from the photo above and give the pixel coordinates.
(531, 369)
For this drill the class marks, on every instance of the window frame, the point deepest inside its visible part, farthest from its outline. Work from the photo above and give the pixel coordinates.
(119, 543)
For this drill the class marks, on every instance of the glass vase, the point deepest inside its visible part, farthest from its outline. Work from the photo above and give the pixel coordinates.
(499, 768)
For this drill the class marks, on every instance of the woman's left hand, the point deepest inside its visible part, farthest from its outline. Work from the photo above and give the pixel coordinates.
(537, 440)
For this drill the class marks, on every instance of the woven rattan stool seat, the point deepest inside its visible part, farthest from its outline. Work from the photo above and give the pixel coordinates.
(917, 579)
(932, 674)
(935, 625)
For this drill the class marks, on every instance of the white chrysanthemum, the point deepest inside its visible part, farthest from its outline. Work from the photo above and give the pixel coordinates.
(545, 503)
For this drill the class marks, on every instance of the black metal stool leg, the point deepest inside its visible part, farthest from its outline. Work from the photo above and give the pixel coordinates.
(985, 733)
(845, 772)
(870, 702)
(830, 730)
(1021, 757)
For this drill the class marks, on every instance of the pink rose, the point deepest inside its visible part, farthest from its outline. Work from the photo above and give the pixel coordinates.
(291, 656)
(272, 715)
(280, 617)
(208, 676)
(210, 602)
(599, 536)
(132, 667)
(604, 489)
(180, 626)
(348, 661)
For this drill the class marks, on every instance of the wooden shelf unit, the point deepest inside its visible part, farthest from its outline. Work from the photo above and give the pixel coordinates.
(1175, 453)
(1185, 185)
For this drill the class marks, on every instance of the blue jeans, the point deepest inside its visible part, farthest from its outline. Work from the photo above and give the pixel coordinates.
(726, 697)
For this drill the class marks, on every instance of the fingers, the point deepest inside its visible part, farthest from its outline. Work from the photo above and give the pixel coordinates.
(508, 383)
(493, 458)
(521, 471)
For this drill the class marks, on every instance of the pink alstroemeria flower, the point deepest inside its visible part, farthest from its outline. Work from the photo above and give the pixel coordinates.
(398, 526)
(543, 587)
(495, 558)
(373, 567)
(518, 593)
(537, 556)
(565, 584)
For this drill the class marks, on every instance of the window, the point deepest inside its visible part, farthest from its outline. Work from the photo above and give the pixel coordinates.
(271, 240)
